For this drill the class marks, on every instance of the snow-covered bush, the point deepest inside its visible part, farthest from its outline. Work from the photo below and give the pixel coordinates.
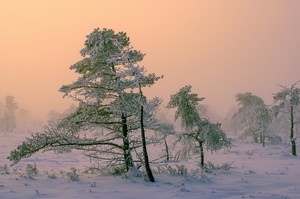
(175, 170)
(209, 166)
(73, 175)
(31, 170)
(4, 170)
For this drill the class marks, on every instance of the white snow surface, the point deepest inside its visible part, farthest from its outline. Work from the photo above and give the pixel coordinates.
(256, 172)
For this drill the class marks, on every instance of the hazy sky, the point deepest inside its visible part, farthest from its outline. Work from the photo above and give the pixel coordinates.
(221, 48)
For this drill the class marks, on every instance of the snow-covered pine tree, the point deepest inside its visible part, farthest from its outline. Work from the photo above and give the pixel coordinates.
(253, 117)
(197, 128)
(99, 83)
(108, 90)
(286, 101)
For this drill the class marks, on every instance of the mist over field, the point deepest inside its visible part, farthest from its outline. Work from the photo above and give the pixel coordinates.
(221, 48)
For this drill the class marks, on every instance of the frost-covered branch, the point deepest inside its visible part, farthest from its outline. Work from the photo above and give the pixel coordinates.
(57, 139)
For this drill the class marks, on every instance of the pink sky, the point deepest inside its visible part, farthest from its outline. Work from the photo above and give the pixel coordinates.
(221, 48)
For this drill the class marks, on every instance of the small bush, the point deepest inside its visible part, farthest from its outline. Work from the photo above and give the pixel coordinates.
(117, 171)
(275, 139)
(73, 175)
(212, 167)
(94, 169)
(4, 170)
(31, 170)
(178, 170)
(51, 174)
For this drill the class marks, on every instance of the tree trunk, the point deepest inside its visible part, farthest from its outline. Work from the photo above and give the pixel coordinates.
(126, 146)
(263, 138)
(201, 154)
(146, 159)
(255, 139)
(167, 150)
(293, 142)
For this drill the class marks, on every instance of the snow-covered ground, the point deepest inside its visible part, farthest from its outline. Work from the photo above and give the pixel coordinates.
(256, 172)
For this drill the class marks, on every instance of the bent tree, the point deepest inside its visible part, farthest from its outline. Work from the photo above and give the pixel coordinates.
(286, 102)
(109, 93)
(197, 128)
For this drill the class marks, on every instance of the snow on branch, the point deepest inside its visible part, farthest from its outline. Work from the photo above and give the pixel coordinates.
(56, 139)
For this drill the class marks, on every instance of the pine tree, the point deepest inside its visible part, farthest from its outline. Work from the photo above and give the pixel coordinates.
(287, 101)
(253, 117)
(109, 93)
(197, 128)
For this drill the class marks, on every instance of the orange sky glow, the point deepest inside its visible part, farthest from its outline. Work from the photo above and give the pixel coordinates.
(221, 48)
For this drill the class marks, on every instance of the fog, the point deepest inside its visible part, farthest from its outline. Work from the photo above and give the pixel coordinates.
(221, 48)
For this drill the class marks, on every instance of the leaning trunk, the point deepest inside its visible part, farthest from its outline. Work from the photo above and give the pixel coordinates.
(145, 153)
(167, 150)
(126, 146)
(293, 142)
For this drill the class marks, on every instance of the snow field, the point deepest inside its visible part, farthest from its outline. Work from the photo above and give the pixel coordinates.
(255, 172)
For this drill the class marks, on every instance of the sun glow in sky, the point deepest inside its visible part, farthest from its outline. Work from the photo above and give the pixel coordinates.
(221, 48)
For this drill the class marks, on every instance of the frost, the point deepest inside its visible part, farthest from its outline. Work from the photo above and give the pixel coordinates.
(197, 129)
